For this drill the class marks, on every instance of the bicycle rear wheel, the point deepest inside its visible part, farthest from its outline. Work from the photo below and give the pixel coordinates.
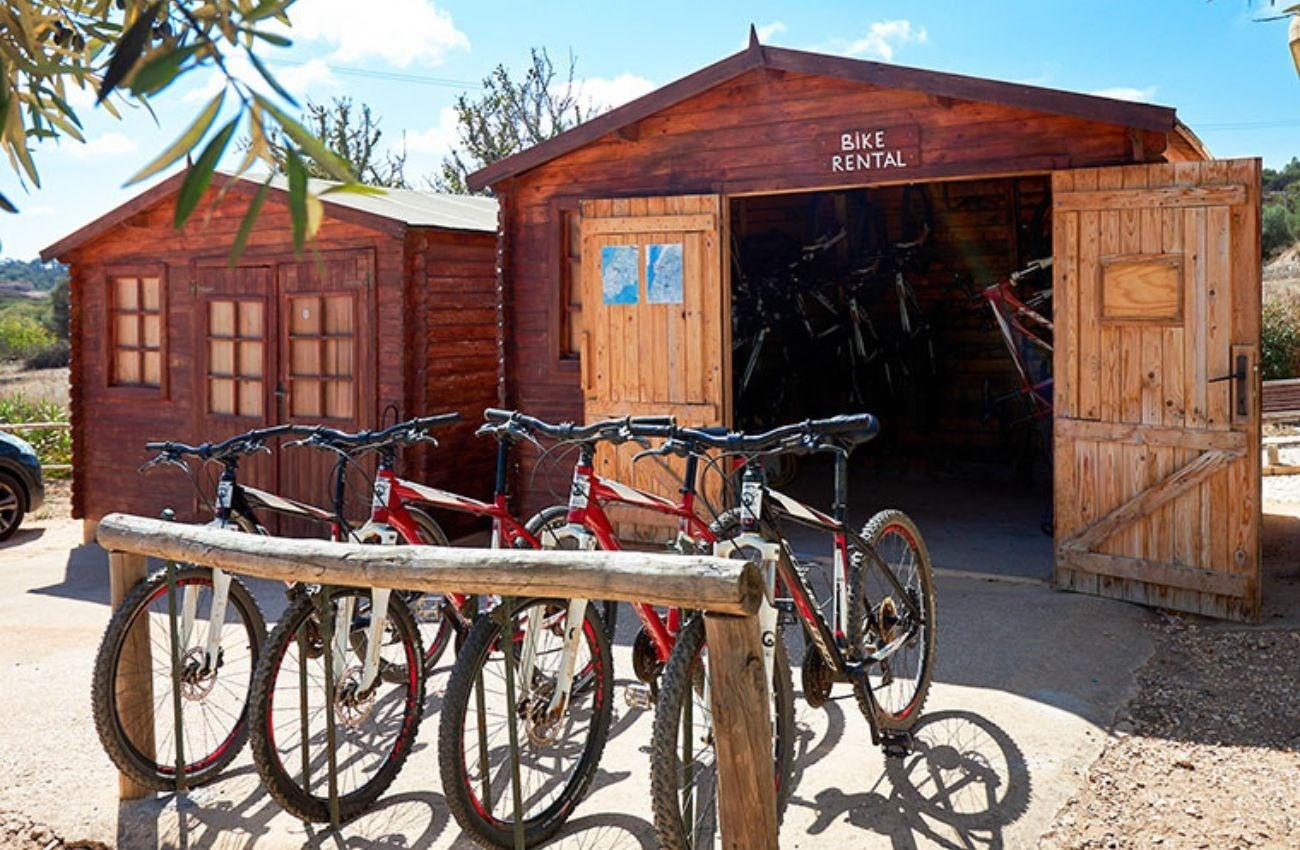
(557, 758)
(896, 687)
(214, 697)
(374, 727)
(683, 762)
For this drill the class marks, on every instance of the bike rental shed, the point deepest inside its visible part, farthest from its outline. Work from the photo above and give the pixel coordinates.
(785, 234)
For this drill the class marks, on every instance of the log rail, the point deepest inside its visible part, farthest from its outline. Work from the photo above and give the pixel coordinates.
(728, 591)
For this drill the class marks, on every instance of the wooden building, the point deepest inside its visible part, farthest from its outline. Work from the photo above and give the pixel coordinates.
(392, 310)
(637, 250)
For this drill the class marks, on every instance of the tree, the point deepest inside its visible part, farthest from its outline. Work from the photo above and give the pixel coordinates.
(510, 116)
(132, 50)
(1275, 230)
(354, 137)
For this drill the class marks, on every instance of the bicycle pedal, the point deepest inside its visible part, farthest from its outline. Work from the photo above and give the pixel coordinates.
(639, 696)
(896, 744)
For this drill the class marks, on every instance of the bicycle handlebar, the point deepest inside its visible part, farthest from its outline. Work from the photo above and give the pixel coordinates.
(608, 430)
(245, 443)
(811, 435)
(412, 430)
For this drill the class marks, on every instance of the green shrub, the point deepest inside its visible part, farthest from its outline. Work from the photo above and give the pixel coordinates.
(1280, 337)
(22, 337)
(55, 355)
(52, 445)
(1275, 232)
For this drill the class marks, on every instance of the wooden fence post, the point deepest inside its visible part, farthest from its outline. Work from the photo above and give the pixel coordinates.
(742, 728)
(125, 570)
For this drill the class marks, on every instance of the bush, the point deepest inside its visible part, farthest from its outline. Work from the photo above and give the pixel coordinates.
(1280, 337)
(52, 445)
(53, 356)
(22, 337)
(1275, 232)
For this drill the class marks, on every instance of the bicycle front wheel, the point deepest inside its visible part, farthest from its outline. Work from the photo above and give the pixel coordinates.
(374, 726)
(683, 761)
(881, 618)
(547, 526)
(213, 692)
(557, 756)
(430, 609)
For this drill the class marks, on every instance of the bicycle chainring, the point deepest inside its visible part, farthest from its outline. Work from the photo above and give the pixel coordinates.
(817, 679)
(645, 660)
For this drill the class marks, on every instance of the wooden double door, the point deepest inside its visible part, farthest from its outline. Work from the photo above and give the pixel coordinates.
(285, 342)
(1157, 425)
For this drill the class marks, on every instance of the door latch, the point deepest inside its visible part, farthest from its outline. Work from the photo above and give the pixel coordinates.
(1239, 384)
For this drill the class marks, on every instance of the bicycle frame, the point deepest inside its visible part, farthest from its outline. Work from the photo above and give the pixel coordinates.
(1017, 320)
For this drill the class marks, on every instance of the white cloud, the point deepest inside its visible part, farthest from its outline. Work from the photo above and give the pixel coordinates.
(426, 148)
(397, 31)
(883, 39)
(1141, 95)
(766, 32)
(39, 212)
(602, 94)
(298, 80)
(105, 146)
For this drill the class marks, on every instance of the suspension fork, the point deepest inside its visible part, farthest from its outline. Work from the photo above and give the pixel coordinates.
(227, 495)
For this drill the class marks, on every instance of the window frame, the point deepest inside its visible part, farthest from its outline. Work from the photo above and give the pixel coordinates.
(112, 274)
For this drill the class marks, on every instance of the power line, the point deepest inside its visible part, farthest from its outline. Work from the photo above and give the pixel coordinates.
(1248, 125)
(384, 75)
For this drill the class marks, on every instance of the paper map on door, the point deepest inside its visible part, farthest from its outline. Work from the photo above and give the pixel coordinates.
(663, 273)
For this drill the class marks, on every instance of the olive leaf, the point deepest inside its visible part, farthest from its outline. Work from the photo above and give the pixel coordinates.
(186, 142)
(128, 50)
(199, 176)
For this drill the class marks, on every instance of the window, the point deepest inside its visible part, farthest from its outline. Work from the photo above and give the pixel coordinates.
(570, 284)
(321, 350)
(135, 307)
(236, 357)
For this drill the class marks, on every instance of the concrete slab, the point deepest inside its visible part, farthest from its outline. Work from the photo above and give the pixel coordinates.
(1027, 680)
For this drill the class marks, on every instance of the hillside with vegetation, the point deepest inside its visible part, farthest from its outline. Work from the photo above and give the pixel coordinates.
(33, 313)
(1280, 240)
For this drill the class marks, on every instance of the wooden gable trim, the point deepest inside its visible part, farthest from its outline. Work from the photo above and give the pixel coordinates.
(1139, 116)
(238, 185)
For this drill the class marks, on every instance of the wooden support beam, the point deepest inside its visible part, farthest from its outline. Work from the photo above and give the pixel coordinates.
(701, 582)
(742, 726)
(125, 570)
(1138, 434)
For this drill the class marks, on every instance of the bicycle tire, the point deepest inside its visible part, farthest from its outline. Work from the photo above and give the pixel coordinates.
(556, 517)
(682, 684)
(391, 712)
(463, 731)
(873, 623)
(430, 609)
(220, 700)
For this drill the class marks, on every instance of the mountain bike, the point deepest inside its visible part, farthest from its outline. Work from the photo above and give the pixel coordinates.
(200, 724)
(879, 638)
(564, 675)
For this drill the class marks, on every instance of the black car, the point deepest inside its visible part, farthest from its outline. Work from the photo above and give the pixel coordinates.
(21, 487)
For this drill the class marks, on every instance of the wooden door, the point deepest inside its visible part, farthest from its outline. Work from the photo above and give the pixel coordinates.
(235, 359)
(656, 326)
(1157, 428)
(326, 373)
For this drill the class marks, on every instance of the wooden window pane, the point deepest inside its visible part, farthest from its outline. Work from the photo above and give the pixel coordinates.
(304, 398)
(221, 395)
(152, 330)
(304, 358)
(338, 399)
(338, 358)
(221, 357)
(127, 367)
(250, 398)
(128, 331)
(250, 319)
(152, 375)
(250, 359)
(304, 316)
(125, 290)
(338, 315)
(150, 294)
(221, 318)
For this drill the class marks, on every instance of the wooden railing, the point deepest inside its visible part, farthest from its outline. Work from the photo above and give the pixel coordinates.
(41, 426)
(728, 591)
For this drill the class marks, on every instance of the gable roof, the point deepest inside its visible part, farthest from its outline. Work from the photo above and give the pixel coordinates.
(396, 208)
(1089, 107)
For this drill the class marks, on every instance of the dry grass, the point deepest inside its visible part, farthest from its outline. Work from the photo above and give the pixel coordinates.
(34, 384)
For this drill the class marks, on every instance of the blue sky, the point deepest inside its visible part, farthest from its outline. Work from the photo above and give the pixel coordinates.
(1230, 77)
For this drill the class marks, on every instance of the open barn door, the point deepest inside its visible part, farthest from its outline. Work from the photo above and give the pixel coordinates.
(656, 326)
(1157, 388)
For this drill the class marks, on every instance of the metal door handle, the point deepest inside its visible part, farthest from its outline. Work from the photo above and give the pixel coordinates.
(1239, 384)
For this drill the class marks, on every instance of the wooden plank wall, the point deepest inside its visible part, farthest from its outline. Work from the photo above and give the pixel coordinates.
(757, 134)
(109, 444)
